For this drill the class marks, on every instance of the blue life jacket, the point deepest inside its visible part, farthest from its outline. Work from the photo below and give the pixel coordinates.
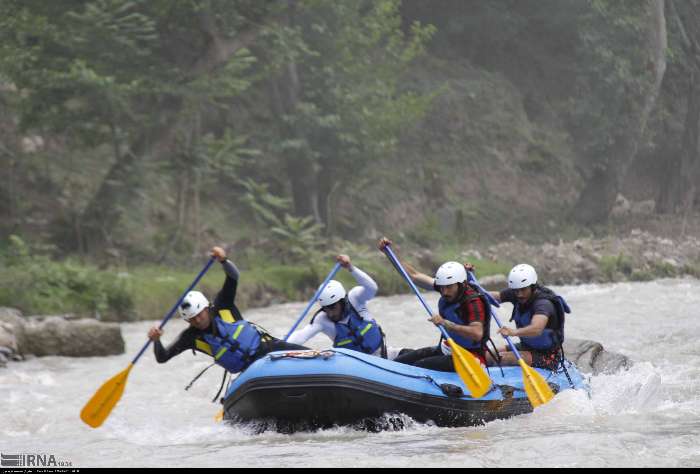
(449, 311)
(358, 334)
(233, 344)
(553, 335)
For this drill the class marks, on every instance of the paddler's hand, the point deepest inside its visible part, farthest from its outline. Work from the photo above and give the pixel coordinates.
(383, 242)
(504, 331)
(344, 262)
(154, 333)
(437, 320)
(469, 267)
(218, 253)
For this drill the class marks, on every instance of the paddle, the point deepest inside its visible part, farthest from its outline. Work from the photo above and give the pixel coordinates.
(220, 415)
(98, 408)
(314, 298)
(467, 366)
(537, 389)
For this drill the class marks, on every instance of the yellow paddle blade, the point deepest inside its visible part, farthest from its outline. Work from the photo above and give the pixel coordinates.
(219, 416)
(470, 370)
(96, 411)
(537, 389)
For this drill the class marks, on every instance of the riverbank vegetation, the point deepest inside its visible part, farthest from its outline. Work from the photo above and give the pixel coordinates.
(134, 135)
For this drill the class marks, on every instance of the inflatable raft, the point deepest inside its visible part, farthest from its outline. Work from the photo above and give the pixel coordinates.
(292, 391)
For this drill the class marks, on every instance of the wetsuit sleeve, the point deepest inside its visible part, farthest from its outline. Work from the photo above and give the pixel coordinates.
(358, 297)
(300, 336)
(320, 323)
(183, 342)
(226, 298)
(367, 289)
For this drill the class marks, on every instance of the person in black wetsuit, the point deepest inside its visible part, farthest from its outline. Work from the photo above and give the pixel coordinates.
(219, 330)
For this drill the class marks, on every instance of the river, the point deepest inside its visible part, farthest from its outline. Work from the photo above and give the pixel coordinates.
(647, 416)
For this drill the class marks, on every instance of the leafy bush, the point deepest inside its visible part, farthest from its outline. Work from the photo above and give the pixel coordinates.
(294, 239)
(612, 265)
(35, 284)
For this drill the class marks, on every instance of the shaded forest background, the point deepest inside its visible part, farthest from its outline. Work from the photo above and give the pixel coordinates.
(143, 132)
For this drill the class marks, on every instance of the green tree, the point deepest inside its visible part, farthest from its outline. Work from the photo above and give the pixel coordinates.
(623, 51)
(131, 75)
(338, 91)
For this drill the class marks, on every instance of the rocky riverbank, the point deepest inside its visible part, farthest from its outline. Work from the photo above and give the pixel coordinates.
(638, 256)
(55, 335)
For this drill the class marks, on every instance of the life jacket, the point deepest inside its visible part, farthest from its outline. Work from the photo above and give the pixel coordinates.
(232, 344)
(358, 334)
(553, 335)
(450, 312)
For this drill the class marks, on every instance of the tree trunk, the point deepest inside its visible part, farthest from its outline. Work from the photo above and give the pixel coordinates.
(680, 191)
(105, 210)
(598, 196)
(299, 164)
(691, 150)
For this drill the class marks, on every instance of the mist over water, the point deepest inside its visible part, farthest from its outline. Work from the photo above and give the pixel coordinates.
(648, 416)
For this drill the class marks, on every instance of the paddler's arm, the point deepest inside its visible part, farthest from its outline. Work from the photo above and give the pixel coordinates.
(474, 331)
(300, 336)
(368, 287)
(183, 342)
(226, 298)
(537, 325)
(420, 279)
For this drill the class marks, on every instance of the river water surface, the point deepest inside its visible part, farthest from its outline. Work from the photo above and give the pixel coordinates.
(647, 416)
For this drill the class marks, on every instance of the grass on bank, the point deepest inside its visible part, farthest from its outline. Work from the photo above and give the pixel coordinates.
(37, 285)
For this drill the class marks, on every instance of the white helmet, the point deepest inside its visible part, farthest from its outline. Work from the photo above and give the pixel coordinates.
(332, 293)
(450, 273)
(522, 276)
(193, 304)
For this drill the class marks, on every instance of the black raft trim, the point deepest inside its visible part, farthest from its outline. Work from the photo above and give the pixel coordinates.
(327, 400)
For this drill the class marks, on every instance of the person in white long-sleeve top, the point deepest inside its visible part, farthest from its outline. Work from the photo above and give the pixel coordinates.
(344, 317)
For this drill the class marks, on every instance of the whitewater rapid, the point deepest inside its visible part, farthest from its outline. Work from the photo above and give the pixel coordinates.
(647, 416)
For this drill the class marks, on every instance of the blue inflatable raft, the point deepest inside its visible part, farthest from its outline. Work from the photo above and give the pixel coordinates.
(310, 389)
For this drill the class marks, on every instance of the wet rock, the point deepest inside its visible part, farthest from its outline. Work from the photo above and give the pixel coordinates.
(9, 349)
(613, 258)
(643, 208)
(591, 357)
(11, 335)
(494, 282)
(621, 208)
(55, 335)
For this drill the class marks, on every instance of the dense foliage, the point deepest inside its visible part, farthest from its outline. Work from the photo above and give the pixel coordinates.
(147, 130)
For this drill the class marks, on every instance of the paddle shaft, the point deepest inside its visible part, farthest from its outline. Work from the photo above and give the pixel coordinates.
(399, 267)
(174, 308)
(492, 300)
(537, 389)
(314, 298)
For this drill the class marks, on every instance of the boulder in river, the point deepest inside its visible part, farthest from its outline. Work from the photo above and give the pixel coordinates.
(56, 335)
(591, 357)
(11, 335)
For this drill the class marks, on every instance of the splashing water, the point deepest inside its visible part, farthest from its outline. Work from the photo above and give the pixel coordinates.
(647, 416)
